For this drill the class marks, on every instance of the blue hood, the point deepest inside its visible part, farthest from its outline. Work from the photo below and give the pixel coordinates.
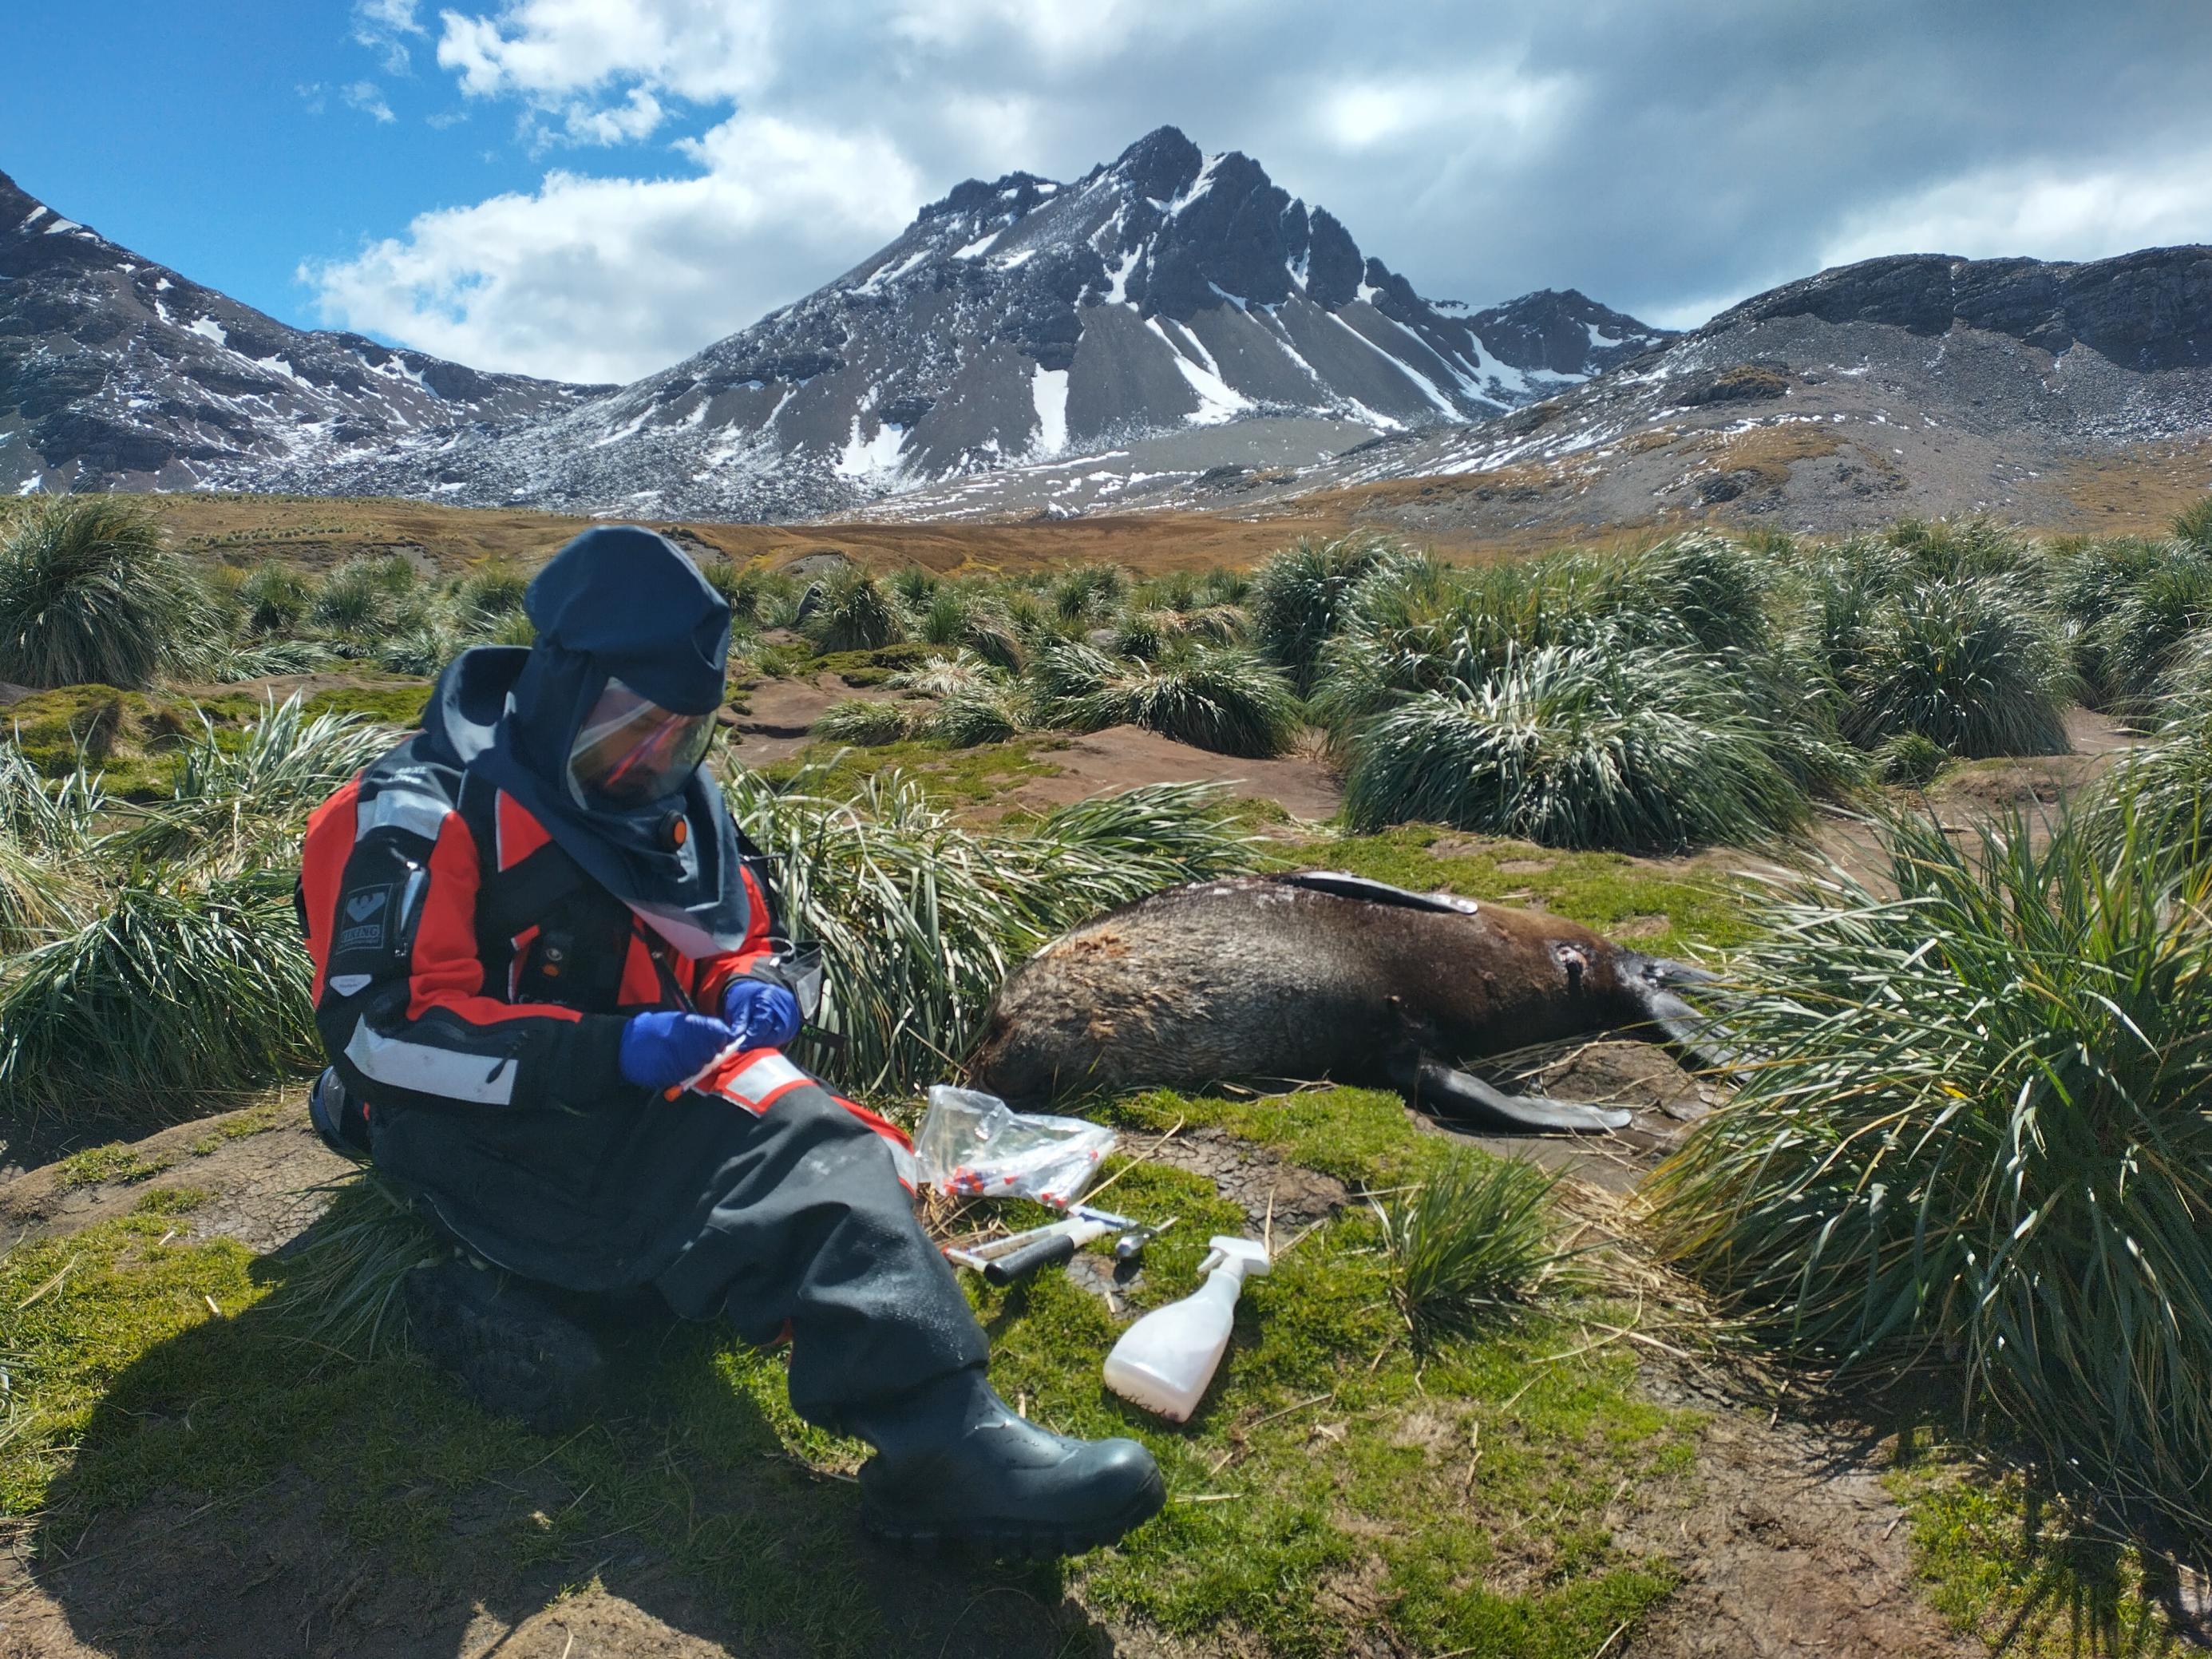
(617, 602)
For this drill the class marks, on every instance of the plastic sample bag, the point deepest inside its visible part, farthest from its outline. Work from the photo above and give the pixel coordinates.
(975, 1146)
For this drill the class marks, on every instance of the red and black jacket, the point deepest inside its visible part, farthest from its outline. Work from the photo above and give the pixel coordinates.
(463, 959)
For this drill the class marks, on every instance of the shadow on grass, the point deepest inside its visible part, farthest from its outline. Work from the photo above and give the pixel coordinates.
(2033, 1563)
(238, 1489)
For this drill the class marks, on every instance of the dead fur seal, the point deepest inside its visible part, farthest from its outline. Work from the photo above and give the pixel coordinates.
(1267, 979)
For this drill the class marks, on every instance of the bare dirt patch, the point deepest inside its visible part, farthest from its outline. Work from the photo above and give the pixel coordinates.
(257, 1168)
(1123, 756)
(781, 712)
(1786, 1539)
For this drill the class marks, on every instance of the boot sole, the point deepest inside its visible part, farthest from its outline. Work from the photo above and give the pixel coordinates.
(1016, 1540)
(512, 1355)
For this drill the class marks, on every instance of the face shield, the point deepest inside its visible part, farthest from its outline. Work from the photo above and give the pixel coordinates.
(630, 750)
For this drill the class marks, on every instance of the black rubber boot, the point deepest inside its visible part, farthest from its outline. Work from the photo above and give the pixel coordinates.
(508, 1344)
(339, 1119)
(953, 1461)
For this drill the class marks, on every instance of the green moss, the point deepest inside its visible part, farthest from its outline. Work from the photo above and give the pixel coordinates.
(1361, 1136)
(2004, 1559)
(219, 1131)
(871, 667)
(977, 775)
(1603, 890)
(171, 1200)
(1318, 1433)
(114, 1162)
(401, 706)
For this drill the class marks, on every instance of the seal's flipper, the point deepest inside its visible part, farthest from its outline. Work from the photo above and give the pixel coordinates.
(1697, 1038)
(1461, 1097)
(1340, 884)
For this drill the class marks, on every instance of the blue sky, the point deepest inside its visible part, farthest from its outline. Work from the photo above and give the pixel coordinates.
(218, 137)
(591, 189)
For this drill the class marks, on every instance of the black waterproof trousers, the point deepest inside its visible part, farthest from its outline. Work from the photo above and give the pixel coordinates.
(795, 1217)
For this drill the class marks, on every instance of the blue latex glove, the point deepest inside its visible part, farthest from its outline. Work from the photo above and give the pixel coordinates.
(661, 1049)
(766, 1015)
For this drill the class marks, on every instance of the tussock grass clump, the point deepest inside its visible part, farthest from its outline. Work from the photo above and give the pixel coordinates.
(1587, 746)
(1300, 598)
(170, 969)
(2162, 794)
(89, 592)
(1975, 1124)
(273, 598)
(853, 612)
(1470, 1245)
(1971, 664)
(1089, 593)
(491, 593)
(232, 802)
(1911, 760)
(1715, 588)
(178, 989)
(922, 915)
(858, 721)
(956, 617)
(1222, 698)
(2151, 627)
(2193, 524)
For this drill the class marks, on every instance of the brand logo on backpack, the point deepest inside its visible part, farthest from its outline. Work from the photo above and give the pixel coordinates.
(367, 919)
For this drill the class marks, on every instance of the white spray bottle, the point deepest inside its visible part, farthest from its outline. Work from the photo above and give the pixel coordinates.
(1165, 1361)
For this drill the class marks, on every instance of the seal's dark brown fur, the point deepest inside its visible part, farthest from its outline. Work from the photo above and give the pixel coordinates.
(1270, 978)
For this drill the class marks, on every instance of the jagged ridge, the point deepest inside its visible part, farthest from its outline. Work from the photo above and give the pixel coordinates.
(1019, 320)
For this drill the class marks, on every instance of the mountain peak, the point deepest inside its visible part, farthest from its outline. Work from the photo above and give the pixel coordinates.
(1162, 165)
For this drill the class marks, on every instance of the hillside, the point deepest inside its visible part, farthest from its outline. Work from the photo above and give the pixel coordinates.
(117, 373)
(1181, 303)
(2067, 396)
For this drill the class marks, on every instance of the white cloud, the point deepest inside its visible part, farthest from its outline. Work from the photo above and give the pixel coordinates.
(368, 98)
(552, 51)
(1058, 34)
(609, 279)
(2043, 210)
(383, 26)
(1489, 105)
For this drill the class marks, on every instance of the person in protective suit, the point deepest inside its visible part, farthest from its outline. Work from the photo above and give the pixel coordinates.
(533, 923)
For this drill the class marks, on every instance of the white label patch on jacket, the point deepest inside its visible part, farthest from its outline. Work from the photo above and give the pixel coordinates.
(429, 1071)
(754, 1080)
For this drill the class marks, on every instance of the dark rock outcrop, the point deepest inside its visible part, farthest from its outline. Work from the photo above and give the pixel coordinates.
(2145, 310)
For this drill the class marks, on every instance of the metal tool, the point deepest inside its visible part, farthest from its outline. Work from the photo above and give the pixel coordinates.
(1131, 1244)
(1009, 1260)
(976, 1256)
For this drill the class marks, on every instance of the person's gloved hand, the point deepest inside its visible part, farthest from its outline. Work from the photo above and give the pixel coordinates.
(661, 1049)
(767, 1015)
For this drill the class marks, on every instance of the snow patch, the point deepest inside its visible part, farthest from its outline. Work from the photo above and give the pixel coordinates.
(1218, 401)
(35, 215)
(1199, 186)
(868, 458)
(62, 227)
(278, 366)
(890, 274)
(1117, 280)
(1599, 338)
(32, 485)
(1048, 390)
(975, 249)
(207, 329)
